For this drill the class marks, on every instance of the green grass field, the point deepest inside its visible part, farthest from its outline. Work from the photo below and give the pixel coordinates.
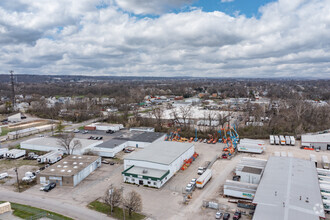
(4, 131)
(117, 212)
(27, 212)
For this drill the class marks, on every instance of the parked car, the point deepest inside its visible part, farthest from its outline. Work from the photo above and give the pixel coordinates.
(226, 216)
(3, 175)
(112, 163)
(193, 181)
(85, 132)
(236, 178)
(237, 215)
(189, 188)
(218, 215)
(49, 187)
(105, 162)
(110, 131)
(205, 140)
(76, 131)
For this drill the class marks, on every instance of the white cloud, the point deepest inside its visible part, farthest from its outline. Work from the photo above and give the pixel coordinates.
(74, 37)
(223, 1)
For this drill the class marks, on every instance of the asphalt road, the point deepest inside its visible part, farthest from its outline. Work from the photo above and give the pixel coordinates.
(61, 207)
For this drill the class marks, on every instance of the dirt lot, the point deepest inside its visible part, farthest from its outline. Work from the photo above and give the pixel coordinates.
(167, 202)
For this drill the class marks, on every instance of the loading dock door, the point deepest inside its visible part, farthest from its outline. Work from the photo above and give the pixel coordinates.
(328, 146)
(141, 182)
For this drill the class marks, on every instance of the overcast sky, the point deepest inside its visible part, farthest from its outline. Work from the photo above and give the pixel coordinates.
(213, 38)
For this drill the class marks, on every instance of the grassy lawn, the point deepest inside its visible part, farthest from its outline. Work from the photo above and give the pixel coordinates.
(5, 131)
(81, 128)
(25, 211)
(117, 212)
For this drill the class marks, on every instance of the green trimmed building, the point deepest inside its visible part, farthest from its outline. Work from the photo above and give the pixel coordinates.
(157, 163)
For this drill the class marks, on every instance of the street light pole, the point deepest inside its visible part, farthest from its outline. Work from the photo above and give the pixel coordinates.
(16, 171)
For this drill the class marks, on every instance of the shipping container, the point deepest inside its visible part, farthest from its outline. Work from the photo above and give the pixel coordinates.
(282, 140)
(325, 162)
(251, 148)
(204, 178)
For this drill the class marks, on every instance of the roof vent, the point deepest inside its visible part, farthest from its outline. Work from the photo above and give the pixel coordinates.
(74, 162)
(65, 166)
(74, 157)
(52, 170)
(59, 166)
(145, 171)
(75, 167)
(65, 162)
(69, 171)
(79, 157)
(62, 170)
(81, 163)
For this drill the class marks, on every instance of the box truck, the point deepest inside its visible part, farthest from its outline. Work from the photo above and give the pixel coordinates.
(271, 139)
(204, 178)
(282, 140)
(292, 141)
(325, 162)
(287, 140)
(277, 140)
(15, 153)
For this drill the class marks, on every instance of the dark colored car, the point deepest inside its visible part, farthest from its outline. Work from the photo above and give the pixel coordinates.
(110, 131)
(236, 178)
(237, 215)
(226, 216)
(49, 187)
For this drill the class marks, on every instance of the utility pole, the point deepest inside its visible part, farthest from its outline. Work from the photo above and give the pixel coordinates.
(16, 171)
(122, 191)
(12, 88)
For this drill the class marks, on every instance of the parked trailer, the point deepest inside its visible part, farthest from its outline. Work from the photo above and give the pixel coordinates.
(292, 141)
(251, 141)
(277, 140)
(282, 140)
(287, 140)
(325, 188)
(326, 205)
(271, 139)
(325, 196)
(325, 162)
(251, 148)
(15, 153)
(204, 178)
(239, 189)
(3, 151)
(313, 158)
(323, 178)
(323, 172)
(51, 157)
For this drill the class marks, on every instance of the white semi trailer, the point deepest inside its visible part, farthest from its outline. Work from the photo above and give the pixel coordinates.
(287, 140)
(277, 140)
(271, 139)
(15, 153)
(51, 157)
(250, 148)
(240, 189)
(204, 178)
(282, 140)
(292, 141)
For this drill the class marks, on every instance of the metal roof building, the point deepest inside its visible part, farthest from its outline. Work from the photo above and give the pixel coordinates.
(157, 163)
(321, 141)
(289, 189)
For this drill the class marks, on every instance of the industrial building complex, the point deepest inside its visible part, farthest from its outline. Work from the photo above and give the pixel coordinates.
(156, 164)
(316, 141)
(70, 171)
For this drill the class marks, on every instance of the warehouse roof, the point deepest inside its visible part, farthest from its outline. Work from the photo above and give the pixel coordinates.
(69, 166)
(53, 142)
(316, 138)
(253, 170)
(146, 172)
(147, 137)
(289, 189)
(111, 143)
(162, 152)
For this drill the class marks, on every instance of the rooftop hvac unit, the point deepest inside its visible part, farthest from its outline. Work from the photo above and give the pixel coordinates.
(145, 171)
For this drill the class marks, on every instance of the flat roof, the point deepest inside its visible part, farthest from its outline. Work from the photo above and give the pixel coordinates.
(147, 137)
(53, 142)
(253, 170)
(69, 166)
(112, 143)
(147, 172)
(287, 183)
(162, 152)
(320, 138)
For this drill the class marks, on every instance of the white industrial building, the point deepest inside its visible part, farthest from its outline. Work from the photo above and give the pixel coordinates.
(143, 129)
(15, 118)
(316, 141)
(29, 131)
(51, 144)
(156, 164)
(104, 127)
(133, 139)
(289, 189)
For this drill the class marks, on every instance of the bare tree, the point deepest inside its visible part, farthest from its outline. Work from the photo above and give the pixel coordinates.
(157, 113)
(133, 202)
(66, 141)
(186, 113)
(222, 119)
(113, 197)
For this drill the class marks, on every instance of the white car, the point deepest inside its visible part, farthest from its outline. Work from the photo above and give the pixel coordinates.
(189, 187)
(218, 215)
(3, 175)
